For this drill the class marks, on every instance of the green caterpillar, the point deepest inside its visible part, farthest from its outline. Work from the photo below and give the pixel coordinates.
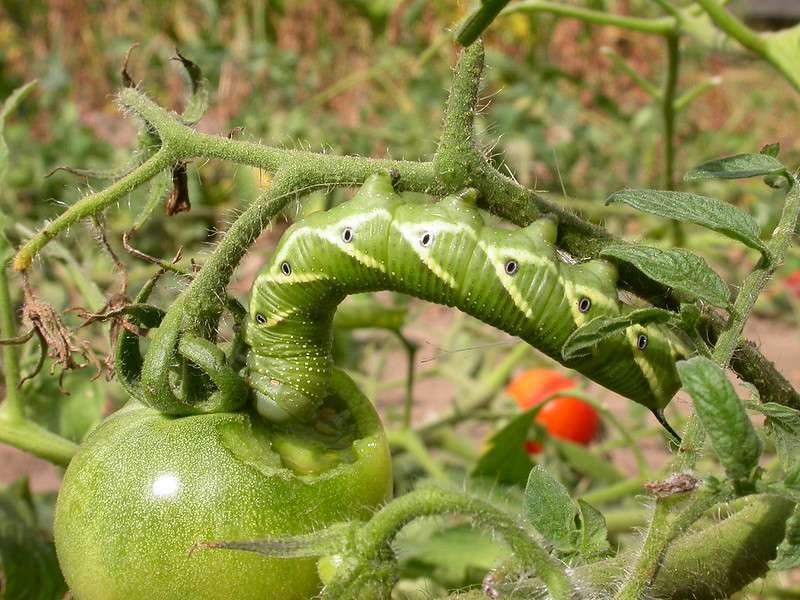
(444, 253)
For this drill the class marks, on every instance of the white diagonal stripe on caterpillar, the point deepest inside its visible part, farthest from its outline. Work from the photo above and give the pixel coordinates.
(411, 233)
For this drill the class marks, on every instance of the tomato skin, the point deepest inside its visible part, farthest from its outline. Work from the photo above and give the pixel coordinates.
(564, 417)
(144, 488)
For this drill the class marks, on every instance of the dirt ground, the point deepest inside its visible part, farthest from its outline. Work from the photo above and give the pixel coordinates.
(779, 342)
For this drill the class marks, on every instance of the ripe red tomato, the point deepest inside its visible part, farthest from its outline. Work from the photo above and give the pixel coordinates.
(564, 417)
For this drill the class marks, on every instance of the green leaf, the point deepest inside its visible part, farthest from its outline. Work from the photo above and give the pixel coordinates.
(723, 415)
(771, 149)
(586, 462)
(9, 106)
(585, 339)
(593, 531)
(675, 268)
(739, 166)
(549, 508)
(28, 557)
(701, 210)
(506, 461)
(783, 427)
(788, 556)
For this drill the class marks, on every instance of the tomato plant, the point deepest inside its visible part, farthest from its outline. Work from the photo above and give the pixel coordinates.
(144, 488)
(564, 417)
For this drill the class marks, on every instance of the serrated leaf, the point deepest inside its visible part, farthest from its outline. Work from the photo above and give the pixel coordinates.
(593, 531)
(675, 268)
(788, 556)
(506, 460)
(585, 339)
(28, 557)
(739, 166)
(723, 415)
(9, 106)
(550, 509)
(783, 428)
(701, 210)
(587, 463)
(771, 149)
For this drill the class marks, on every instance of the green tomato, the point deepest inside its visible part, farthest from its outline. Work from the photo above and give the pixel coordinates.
(144, 488)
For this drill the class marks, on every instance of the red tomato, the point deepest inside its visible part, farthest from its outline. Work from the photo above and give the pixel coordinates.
(564, 417)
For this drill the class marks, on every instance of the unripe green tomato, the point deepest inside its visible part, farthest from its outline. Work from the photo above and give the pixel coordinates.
(144, 488)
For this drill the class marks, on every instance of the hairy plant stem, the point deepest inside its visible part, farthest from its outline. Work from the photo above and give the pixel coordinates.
(663, 528)
(379, 531)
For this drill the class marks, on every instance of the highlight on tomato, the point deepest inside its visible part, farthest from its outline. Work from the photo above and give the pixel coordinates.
(564, 417)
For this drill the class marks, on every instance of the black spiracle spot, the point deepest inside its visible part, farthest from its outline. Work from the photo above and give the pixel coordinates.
(641, 341)
(286, 268)
(426, 239)
(347, 235)
(260, 319)
(584, 304)
(512, 266)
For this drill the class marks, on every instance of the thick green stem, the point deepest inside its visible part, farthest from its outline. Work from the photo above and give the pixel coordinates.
(668, 109)
(12, 404)
(384, 526)
(713, 562)
(37, 440)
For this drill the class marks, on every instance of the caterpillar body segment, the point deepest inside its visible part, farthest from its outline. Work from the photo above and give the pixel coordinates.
(443, 253)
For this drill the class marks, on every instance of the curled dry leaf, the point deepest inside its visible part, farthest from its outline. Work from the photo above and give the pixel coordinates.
(56, 339)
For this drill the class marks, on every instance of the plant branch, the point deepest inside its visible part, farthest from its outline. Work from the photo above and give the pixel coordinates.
(381, 529)
(37, 440)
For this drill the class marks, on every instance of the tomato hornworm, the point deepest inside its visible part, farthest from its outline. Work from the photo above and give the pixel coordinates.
(443, 252)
